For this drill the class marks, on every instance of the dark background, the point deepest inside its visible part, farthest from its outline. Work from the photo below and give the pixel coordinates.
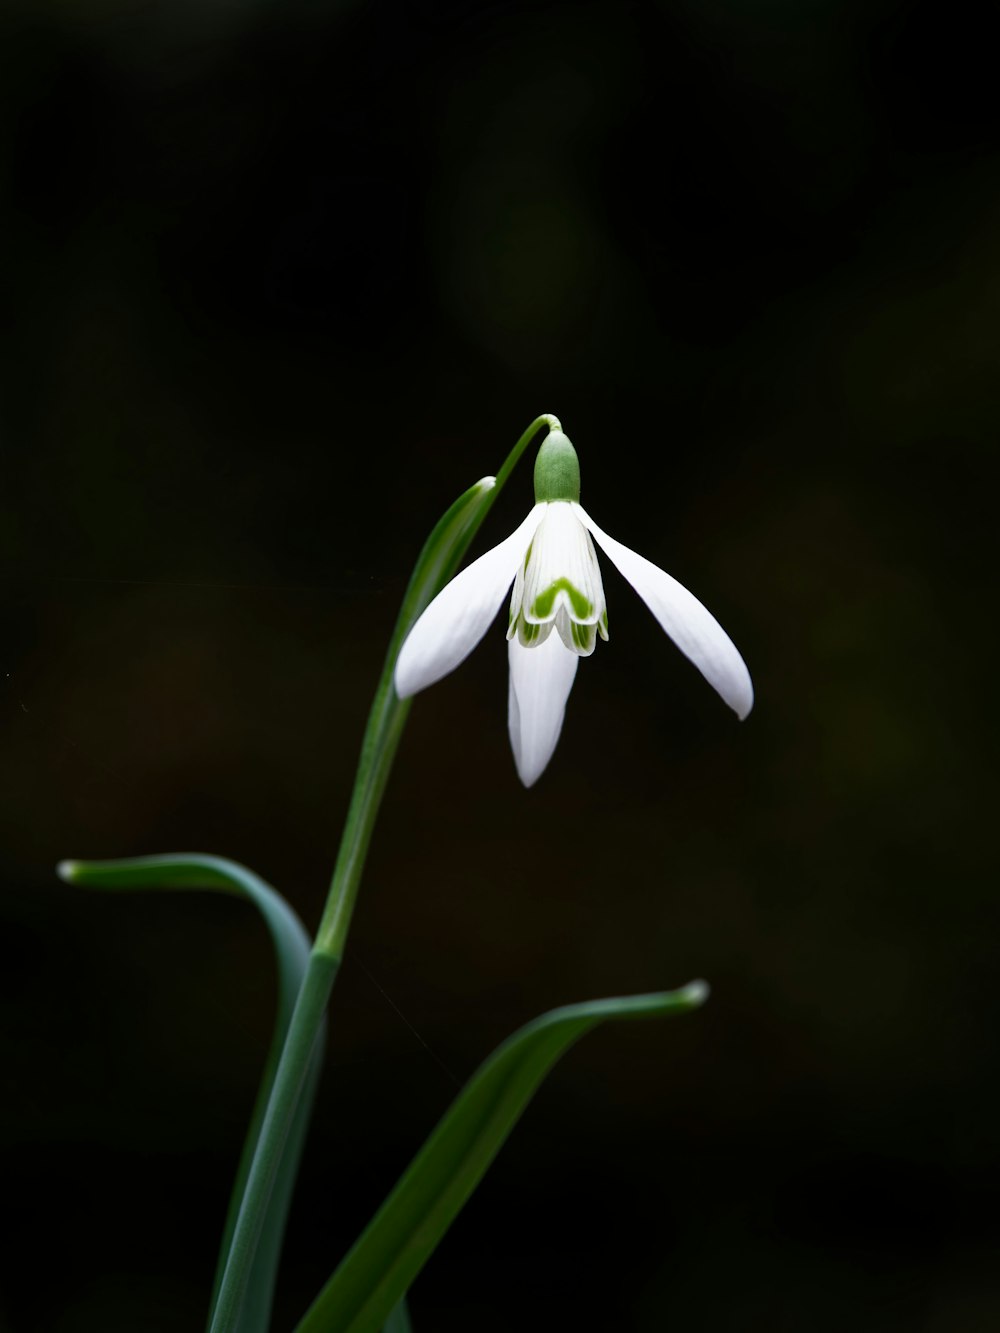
(279, 280)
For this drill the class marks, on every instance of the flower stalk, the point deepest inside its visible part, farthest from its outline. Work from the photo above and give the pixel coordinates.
(438, 561)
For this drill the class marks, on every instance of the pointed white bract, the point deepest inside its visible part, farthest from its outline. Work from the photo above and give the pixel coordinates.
(557, 581)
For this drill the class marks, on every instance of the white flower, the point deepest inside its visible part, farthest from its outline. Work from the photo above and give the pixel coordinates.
(557, 610)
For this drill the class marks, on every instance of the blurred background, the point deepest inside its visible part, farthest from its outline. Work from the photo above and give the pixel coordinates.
(280, 280)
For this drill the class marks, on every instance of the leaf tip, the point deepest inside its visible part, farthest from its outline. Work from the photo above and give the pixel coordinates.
(695, 993)
(68, 871)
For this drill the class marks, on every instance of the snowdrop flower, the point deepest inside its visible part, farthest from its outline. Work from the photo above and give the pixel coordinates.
(557, 611)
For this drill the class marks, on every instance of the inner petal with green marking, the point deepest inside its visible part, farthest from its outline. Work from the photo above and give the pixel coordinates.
(582, 607)
(529, 633)
(561, 570)
(558, 585)
(584, 638)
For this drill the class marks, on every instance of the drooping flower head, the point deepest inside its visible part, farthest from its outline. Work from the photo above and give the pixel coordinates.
(557, 612)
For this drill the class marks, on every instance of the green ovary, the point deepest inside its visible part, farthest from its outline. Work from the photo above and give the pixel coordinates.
(545, 601)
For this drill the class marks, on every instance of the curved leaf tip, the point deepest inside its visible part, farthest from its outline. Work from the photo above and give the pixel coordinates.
(386, 1258)
(195, 871)
(695, 993)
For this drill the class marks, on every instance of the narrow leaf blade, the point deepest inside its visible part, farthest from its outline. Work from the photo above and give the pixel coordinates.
(376, 1273)
(291, 949)
(399, 1320)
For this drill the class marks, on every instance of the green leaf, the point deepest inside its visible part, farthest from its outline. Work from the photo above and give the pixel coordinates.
(399, 1320)
(291, 948)
(399, 1240)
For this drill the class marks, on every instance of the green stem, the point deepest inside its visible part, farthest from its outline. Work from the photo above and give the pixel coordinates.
(546, 419)
(437, 563)
(385, 727)
(377, 754)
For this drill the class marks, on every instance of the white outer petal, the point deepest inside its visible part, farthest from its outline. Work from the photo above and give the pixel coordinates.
(459, 616)
(694, 629)
(541, 678)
